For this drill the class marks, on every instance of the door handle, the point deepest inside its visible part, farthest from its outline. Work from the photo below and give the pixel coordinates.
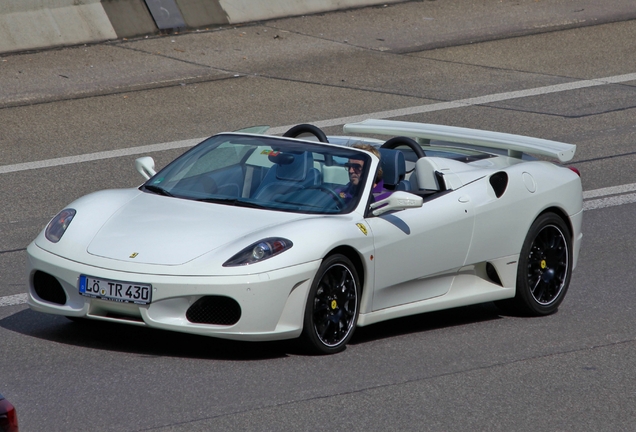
(463, 199)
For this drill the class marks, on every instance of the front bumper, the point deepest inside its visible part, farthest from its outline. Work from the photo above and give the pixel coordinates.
(272, 304)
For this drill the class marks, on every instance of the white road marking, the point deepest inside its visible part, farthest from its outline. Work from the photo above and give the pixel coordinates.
(13, 300)
(609, 196)
(620, 195)
(462, 103)
(613, 190)
(97, 156)
(609, 202)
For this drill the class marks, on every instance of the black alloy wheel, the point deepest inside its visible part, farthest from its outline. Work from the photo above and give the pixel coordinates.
(545, 267)
(332, 307)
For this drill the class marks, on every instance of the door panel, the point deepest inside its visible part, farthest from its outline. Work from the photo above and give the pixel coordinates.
(413, 245)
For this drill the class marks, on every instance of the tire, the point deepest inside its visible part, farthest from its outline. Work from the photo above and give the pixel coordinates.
(332, 306)
(545, 267)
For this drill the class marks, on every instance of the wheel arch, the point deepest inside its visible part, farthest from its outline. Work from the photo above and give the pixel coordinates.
(561, 214)
(525, 302)
(355, 259)
(330, 317)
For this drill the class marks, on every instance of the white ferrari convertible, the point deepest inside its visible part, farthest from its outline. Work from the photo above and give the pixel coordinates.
(250, 236)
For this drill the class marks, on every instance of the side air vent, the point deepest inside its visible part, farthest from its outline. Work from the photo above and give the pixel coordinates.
(48, 288)
(499, 183)
(492, 274)
(218, 310)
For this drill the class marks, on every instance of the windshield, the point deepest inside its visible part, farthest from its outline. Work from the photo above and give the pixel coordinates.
(266, 172)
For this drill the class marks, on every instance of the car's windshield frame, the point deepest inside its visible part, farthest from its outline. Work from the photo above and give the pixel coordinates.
(271, 173)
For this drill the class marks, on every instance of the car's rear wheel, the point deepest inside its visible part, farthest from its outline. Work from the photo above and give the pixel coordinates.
(332, 306)
(545, 267)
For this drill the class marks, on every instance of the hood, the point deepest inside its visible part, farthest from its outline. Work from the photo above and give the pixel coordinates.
(153, 229)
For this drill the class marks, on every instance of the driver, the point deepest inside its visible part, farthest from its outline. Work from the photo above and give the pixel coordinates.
(354, 167)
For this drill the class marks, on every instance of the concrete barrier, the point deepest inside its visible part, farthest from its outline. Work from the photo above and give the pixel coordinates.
(34, 24)
(256, 10)
(202, 13)
(31, 24)
(129, 17)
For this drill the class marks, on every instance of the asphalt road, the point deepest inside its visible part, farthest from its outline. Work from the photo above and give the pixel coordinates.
(72, 121)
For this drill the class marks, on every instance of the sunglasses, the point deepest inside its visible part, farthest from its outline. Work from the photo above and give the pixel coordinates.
(356, 166)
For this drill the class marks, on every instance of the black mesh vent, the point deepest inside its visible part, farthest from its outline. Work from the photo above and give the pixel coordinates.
(214, 310)
(48, 288)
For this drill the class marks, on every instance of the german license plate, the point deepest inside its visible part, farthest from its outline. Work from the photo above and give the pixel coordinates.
(123, 292)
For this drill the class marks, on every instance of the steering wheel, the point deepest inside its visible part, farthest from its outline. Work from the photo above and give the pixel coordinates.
(332, 193)
(306, 128)
(209, 185)
(406, 141)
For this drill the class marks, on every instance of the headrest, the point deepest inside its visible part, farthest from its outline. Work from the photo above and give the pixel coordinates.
(393, 166)
(292, 166)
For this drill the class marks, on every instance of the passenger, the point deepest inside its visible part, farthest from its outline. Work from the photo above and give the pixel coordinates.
(355, 171)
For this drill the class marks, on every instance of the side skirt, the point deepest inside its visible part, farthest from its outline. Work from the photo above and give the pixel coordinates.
(470, 286)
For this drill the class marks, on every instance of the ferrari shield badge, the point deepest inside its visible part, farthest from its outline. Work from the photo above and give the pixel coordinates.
(362, 228)
(134, 255)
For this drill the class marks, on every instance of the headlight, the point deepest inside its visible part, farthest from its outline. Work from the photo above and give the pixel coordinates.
(259, 251)
(56, 228)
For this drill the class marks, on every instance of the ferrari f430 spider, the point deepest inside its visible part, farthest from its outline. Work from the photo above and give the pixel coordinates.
(251, 236)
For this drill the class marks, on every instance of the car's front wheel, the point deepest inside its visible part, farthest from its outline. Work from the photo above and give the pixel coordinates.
(332, 306)
(545, 267)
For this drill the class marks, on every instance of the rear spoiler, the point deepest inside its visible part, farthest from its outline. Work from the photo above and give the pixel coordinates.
(515, 144)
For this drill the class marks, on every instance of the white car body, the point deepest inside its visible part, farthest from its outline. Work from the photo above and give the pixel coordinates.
(412, 259)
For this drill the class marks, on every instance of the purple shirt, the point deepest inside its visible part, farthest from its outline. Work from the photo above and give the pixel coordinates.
(378, 192)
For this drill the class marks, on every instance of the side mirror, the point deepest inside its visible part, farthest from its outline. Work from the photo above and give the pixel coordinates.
(145, 166)
(399, 200)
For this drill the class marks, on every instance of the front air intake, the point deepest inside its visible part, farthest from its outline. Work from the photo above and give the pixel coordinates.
(48, 288)
(216, 310)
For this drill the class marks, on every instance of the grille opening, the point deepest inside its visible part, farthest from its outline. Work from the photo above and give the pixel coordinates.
(492, 274)
(48, 288)
(217, 310)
